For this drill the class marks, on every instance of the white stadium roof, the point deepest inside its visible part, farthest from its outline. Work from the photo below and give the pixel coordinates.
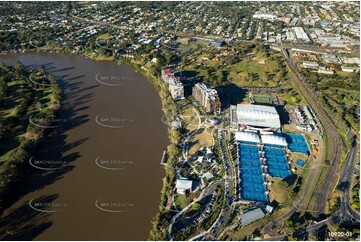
(273, 139)
(258, 115)
(247, 136)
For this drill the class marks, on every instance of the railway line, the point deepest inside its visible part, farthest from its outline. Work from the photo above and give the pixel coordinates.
(334, 140)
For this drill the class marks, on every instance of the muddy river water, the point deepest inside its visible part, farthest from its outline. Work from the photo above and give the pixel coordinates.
(98, 176)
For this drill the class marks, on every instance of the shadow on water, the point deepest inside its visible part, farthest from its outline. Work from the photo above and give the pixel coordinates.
(28, 222)
(63, 69)
(16, 226)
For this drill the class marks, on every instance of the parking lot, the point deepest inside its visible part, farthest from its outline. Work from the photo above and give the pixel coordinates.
(196, 217)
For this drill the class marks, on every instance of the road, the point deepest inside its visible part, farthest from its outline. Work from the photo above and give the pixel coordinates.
(305, 231)
(229, 180)
(347, 213)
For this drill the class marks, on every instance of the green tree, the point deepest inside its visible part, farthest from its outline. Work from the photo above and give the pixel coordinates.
(196, 206)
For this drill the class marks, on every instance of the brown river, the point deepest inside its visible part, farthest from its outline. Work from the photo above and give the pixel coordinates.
(98, 175)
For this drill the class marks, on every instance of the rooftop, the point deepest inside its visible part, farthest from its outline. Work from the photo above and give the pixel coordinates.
(258, 115)
(251, 216)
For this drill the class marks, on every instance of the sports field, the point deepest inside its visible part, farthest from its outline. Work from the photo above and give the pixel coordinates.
(262, 99)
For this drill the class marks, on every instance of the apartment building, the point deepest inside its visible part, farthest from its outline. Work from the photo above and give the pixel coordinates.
(175, 86)
(207, 97)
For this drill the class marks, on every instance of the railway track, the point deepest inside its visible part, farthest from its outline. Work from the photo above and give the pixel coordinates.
(334, 140)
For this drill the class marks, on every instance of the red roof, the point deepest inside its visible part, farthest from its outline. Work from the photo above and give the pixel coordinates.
(168, 71)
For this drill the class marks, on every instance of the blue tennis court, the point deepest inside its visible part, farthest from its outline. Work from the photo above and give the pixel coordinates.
(274, 151)
(248, 148)
(250, 174)
(251, 169)
(280, 173)
(254, 163)
(275, 158)
(276, 162)
(273, 146)
(247, 176)
(300, 163)
(297, 143)
(250, 195)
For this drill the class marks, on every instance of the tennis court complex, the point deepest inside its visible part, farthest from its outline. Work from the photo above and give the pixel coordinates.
(252, 182)
(276, 162)
(264, 155)
(297, 143)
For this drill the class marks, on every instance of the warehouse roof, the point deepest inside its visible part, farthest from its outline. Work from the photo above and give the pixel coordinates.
(258, 115)
(251, 216)
(247, 136)
(273, 139)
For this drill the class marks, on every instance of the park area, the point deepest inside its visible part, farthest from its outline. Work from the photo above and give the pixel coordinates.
(225, 65)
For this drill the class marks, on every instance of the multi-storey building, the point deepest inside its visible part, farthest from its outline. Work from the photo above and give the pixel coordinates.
(207, 97)
(175, 87)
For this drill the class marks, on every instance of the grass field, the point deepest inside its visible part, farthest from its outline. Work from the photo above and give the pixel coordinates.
(266, 74)
(182, 201)
(104, 36)
(262, 99)
(199, 140)
(239, 72)
(252, 66)
(278, 192)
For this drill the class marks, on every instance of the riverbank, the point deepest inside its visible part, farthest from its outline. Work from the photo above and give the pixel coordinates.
(27, 108)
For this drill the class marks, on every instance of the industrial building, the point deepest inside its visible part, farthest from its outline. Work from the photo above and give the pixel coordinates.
(334, 41)
(350, 68)
(301, 35)
(323, 70)
(265, 16)
(328, 58)
(175, 87)
(310, 65)
(257, 116)
(207, 97)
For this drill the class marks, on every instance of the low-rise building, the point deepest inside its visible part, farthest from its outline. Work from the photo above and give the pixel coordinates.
(350, 68)
(310, 65)
(323, 70)
(251, 216)
(207, 97)
(183, 186)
